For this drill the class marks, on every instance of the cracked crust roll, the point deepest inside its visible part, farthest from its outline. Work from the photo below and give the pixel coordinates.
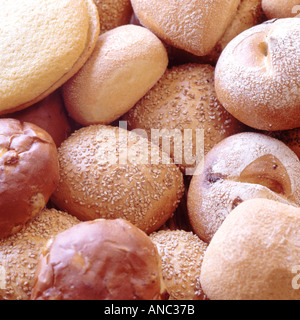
(29, 173)
(257, 76)
(100, 260)
(275, 9)
(44, 43)
(244, 166)
(19, 253)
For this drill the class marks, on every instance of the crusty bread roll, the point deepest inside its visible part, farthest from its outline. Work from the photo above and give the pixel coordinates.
(109, 172)
(255, 254)
(44, 44)
(241, 167)
(29, 173)
(194, 26)
(181, 108)
(19, 253)
(99, 260)
(275, 9)
(181, 255)
(257, 76)
(49, 114)
(125, 64)
(113, 13)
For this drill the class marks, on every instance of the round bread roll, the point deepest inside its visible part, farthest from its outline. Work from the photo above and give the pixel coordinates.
(44, 43)
(241, 167)
(194, 26)
(125, 64)
(257, 76)
(49, 114)
(99, 260)
(29, 173)
(290, 137)
(109, 172)
(182, 109)
(113, 13)
(181, 255)
(275, 9)
(255, 254)
(19, 253)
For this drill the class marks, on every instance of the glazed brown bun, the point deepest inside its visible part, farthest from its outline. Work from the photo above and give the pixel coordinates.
(257, 76)
(125, 64)
(99, 260)
(109, 172)
(244, 166)
(194, 26)
(275, 9)
(182, 104)
(19, 253)
(45, 44)
(290, 137)
(181, 255)
(29, 173)
(255, 254)
(50, 115)
(113, 13)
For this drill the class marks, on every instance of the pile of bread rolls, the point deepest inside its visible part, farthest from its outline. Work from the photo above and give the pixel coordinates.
(150, 150)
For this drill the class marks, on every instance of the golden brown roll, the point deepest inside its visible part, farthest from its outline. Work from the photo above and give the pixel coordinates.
(125, 64)
(99, 260)
(44, 44)
(255, 254)
(275, 9)
(257, 76)
(19, 253)
(181, 255)
(49, 114)
(241, 167)
(109, 172)
(113, 13)
(194, 26)
(180, 111)
(29, 173)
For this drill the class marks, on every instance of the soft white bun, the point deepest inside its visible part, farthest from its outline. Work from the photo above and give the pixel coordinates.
(194, 26)
(126, 63)
(255, 254)
(257, 76)
(241, 167)
(181, 255)
(109, 172)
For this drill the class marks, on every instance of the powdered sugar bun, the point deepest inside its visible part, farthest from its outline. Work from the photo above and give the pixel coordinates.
(241, 167)
(257, 76)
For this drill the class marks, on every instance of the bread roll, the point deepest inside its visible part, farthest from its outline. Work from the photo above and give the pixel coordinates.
(19, 253)
(275, 9)
(113, 13)
(181, 254)
(125, 64)
(183, 109)
(50, 115)
(29, 173)
(194, 26)
(255, 254)
(257, 76)
(44, 44)
(109, 172)
(99, 260)
(241, 167)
